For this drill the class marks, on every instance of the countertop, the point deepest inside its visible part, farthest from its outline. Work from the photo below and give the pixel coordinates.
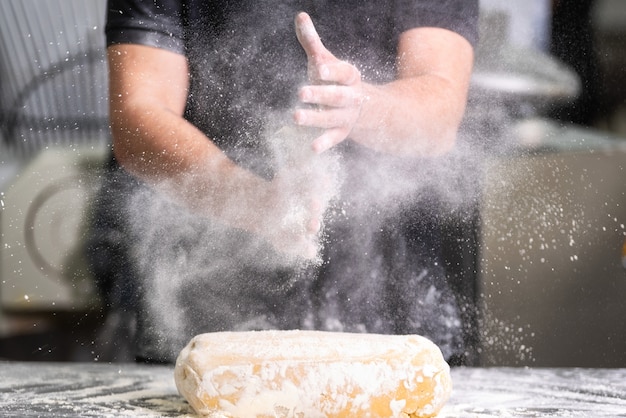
(114, 390)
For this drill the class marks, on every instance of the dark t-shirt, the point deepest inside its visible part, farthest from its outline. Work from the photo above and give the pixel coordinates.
(166, 23)
(382, 270)
(246, 63)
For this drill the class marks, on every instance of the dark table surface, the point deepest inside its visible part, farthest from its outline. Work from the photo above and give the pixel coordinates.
(114, 390)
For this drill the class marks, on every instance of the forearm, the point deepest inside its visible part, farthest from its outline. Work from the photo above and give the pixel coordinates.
(172, 155)
(416, 116)
(155, 144)
(152, 140)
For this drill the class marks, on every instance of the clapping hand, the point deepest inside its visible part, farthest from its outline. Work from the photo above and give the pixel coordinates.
(334, 93)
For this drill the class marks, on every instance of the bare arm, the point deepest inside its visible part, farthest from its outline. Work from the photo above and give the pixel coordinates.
(148, 91)
(151, 139)
(417, 114)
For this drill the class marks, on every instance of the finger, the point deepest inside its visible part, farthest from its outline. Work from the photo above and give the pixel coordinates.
(315, 222)
(316, 207)
(309, 39)
(314, 225)
(338, 72)
(324, 118)
(329, 139)
(331, 96)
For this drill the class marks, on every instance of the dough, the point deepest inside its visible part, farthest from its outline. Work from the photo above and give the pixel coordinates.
(311, 374)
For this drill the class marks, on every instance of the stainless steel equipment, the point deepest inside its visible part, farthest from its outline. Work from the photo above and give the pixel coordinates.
(551, 279)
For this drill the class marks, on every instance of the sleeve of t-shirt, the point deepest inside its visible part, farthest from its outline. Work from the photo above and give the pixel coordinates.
(157, 23)
(460, 16)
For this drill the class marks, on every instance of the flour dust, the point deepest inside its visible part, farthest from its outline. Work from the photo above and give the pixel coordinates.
(382, 215)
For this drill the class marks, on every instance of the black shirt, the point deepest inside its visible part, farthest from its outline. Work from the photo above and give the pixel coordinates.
(245, 67)
(246, 64)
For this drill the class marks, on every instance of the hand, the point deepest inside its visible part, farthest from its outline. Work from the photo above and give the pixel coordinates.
(335, 90)
(291, 217)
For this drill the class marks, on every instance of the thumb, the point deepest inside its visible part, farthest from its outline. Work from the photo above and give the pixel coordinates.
(310, 40)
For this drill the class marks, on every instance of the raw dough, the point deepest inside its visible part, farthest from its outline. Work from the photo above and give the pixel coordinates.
(311, 374)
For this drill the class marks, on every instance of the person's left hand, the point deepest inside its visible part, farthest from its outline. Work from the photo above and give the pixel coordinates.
(335, 93)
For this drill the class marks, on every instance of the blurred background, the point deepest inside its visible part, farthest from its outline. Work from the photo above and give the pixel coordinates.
(542, 248)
